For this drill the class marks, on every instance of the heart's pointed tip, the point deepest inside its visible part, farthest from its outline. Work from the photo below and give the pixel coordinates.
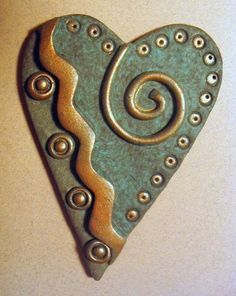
(97, 277)
(97, 270)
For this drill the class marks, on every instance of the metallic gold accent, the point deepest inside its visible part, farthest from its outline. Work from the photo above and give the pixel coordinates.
(143, 49)
(206, 99)
(212, 79)
(209, 59)
(162, 41)
(171, 162)
(60, 145)
(79, 198)
(157, 180)
(100, 222)
(40, 86)
(198, 42)
(138, 112)
(94, 31)
(183, 142)
(108, 46)
(195, 118)
(144, 197)
(171, 127)
(181, 36)
(132, 215)
(97, 252)
(73, 26)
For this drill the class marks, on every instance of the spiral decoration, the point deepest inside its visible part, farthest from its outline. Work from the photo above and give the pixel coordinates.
(115, 120)
(138, 112)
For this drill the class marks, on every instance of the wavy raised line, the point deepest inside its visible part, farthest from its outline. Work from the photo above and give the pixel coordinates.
(100, 222)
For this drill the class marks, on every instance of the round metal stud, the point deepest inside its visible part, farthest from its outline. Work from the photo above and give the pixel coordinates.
(183, 142)
(206, 99)
(132, 215)
(143, 49)
(162, 41)
(60, 145)
(195, 119)
(108, 46)
(40, 86)
(181, 36)
(94, 31)
(171, 162)
(198, 42)
(212, 79)
(209, 59)
(79, 198)
(98, 252)
(73, 26)
(144, 197)
(157, 180)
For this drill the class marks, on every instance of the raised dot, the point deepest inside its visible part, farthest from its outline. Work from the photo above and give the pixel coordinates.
(144, 197)
(206, 99)
(97, 252)
(132, 215)
(171, 161)
(209, 59)
(212, 79)
(198, 42)
(157, 180)
(181, 36)
(94, 31)
(73, 26)
(183, 142)
(79, 198)
(162, 41)
(60, 145)
(40, 86)
(43, 84)
(195, 118)
(108, 46)
(143, 49)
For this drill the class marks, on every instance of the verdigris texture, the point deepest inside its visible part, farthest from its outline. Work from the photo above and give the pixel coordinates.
(115, 120)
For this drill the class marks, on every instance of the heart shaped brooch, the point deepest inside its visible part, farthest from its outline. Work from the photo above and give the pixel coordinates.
(115, 120)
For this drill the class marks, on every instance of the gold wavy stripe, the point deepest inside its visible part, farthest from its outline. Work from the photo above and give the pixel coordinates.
(100, 222)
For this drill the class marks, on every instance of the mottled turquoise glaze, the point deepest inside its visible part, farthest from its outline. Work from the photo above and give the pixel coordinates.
(126, 166)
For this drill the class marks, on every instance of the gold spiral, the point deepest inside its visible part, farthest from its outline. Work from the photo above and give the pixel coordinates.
(136, 111)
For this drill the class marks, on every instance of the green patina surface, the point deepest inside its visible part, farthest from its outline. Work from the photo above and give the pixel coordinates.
(129, 167)
(126, 166)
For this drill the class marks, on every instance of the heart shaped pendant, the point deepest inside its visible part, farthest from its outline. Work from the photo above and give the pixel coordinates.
(115, 120)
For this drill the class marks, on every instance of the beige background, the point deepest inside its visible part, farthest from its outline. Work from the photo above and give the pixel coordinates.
(186, 244)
